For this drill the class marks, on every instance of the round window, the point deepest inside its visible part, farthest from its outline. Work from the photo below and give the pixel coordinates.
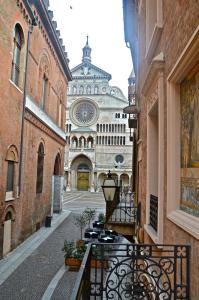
(84, 113)
(119, 158)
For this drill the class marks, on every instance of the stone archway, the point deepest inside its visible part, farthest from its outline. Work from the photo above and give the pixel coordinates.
(81, 174)
(57, 186)
(124, 178)
(100, 181)
(57, 165)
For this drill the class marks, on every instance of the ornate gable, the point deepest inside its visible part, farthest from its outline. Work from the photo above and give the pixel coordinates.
(87, 70)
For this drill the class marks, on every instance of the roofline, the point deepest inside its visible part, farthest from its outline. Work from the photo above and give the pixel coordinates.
(95, 67)
(43, 13)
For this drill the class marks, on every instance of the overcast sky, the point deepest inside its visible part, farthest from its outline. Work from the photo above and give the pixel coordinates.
(102, 21)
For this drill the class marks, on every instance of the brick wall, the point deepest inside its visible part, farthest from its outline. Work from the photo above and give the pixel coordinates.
(29, 209)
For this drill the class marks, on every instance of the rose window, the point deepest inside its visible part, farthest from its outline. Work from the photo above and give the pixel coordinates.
(84, 113)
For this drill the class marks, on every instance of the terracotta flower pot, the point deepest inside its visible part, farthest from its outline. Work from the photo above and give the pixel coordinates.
(73, 263)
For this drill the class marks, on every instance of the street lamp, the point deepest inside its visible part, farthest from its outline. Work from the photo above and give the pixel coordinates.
(109, 187)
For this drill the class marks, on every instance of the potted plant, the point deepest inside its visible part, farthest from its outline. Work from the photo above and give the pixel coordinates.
(73, 254)
(101, 217)
(100, 222)
(80, 221)
(89, 214)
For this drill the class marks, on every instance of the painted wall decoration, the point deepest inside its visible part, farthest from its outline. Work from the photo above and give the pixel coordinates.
(189, 100)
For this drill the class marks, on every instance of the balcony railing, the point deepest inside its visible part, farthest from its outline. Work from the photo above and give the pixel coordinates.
(122, 210)
(154, 212)
(124, 213)
(131, 271)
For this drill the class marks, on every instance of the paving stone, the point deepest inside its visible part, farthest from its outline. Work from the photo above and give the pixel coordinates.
(30, 280)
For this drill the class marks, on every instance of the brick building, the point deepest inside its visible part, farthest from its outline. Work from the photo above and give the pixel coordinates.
(164, 40)
(34, 80)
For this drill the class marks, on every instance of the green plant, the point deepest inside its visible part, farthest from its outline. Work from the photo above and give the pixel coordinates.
(89, 214)
(80, 221)
(101, 217)
(71, 250)
(68, 248)
(79, 252)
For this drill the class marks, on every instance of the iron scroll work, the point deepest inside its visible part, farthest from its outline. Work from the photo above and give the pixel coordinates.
(144, 272)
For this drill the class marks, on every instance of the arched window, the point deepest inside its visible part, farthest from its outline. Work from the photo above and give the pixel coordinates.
(74, 89)
(106, 127)
(44, 90)
(44, 75)
(100, 127)
(57, 165)
(81, 90)
(40, 168)
(97, 127)
(96, 89)
(16, 61)
(11, 158)
(88, 89)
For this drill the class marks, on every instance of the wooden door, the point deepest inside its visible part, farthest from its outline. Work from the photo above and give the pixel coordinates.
(82, 181)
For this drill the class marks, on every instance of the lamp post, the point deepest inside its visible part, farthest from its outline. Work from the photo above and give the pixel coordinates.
(110, 190)
(109, 187)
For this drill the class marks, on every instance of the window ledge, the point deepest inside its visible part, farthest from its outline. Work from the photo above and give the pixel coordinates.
(186, 221)
(12, 82)
(152, 233)
(9, 199)
(153, 42)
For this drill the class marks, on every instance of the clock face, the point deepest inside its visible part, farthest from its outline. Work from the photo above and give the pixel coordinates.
(84, 113)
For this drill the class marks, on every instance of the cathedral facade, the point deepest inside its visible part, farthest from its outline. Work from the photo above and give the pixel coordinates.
(97, 133)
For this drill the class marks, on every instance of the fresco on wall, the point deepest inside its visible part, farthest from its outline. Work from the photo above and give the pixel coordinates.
(189, 100)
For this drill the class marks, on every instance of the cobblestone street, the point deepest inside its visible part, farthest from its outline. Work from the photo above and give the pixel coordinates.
(43, 275)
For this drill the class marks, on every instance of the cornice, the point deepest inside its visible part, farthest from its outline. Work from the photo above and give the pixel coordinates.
(44, 118)
(47, 22)
(155, 67)
(29, 116)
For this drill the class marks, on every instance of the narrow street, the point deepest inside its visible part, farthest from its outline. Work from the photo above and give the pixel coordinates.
(35, 270)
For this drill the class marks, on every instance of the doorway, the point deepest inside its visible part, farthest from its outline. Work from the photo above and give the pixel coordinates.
(7, 233)
(82, 181)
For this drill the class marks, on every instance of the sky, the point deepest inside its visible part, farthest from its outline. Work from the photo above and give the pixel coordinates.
(102, 21)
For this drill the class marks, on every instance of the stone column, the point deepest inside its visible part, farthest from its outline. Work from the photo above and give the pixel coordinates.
(68, 188)
(92, 189)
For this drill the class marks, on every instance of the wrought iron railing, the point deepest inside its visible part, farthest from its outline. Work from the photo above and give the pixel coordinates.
(124, 210)
(154, 212)
(124, 213)
(131, 271)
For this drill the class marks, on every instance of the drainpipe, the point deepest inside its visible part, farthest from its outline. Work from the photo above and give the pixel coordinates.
(30, 30)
